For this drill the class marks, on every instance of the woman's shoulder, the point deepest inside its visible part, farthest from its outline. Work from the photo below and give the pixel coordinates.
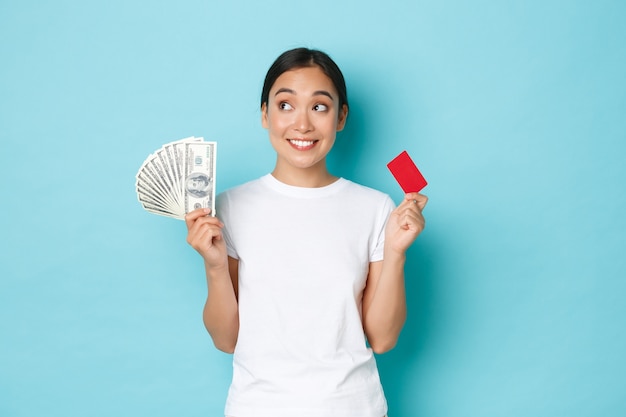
(365, 196)
(243, 188)
(365, 191)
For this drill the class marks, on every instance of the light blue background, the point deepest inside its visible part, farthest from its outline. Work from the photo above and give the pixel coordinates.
(514, 111)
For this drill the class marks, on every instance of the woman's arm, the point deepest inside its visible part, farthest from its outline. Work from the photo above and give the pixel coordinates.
(221, 310)
(384, 305)
(384, 297)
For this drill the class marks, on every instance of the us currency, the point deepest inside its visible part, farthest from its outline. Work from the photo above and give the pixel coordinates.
(156, 173)
(178, 177)
(199, 175)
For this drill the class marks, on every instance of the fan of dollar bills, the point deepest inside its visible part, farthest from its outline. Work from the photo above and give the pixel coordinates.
(178, 178)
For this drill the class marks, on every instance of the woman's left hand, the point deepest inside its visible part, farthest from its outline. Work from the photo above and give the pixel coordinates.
(405, 223)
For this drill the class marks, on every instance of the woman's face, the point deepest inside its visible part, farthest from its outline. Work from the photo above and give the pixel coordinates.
(302, 117)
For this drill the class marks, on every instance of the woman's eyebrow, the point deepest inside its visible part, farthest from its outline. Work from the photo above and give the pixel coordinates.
(323, 93)
(315, 93)
(284, 90)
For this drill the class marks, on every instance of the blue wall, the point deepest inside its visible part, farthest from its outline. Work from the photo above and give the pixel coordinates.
(516, 114)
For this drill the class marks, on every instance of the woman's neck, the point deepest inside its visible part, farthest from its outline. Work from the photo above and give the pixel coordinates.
(308, 178)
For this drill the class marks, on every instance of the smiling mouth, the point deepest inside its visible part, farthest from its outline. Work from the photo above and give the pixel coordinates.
(301, 144)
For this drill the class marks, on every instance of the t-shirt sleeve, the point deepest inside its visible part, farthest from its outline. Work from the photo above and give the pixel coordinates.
(378, 242)
(224, 212)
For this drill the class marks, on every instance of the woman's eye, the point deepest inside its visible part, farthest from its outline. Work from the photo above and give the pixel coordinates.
(285, 106)
(320, 107)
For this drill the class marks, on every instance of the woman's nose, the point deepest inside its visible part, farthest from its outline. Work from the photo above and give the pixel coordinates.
(303, 122)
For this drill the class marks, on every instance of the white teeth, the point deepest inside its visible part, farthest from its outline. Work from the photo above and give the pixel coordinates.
(302, 143)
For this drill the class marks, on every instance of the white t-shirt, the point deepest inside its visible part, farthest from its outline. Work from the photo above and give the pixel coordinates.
(304, 255)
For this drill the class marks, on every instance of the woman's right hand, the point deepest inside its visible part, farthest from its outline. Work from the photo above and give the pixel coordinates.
(205, 236)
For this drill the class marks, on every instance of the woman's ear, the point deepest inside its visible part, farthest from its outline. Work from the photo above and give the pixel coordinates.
(264, 115)
(343, 116)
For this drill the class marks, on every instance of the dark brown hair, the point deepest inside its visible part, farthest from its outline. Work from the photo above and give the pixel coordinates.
(303, 58)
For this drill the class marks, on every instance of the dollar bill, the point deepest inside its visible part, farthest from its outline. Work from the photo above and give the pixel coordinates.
(178, 178)
(199, 176)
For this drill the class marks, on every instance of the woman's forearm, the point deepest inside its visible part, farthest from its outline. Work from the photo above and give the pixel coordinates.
(386, 310)
(221, 311)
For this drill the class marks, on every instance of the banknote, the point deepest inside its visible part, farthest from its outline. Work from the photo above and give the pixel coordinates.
(178, 178)
(199, 176)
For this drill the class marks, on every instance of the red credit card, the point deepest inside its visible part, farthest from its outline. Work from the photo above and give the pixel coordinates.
(406, 173)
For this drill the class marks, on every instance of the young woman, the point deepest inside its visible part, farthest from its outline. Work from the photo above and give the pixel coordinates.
(305, 270)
